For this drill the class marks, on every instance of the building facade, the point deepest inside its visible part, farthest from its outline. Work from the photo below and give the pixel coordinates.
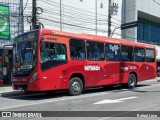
(145, 12)
(147, 29)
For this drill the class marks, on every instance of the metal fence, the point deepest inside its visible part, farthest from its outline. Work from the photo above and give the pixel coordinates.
(15, 16)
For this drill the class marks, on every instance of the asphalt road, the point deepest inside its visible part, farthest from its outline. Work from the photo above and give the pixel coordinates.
(96, 101)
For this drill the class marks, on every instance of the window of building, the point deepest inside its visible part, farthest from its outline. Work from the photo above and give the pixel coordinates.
(77, 49)
(95, 51)
(140, 29)
(126, 53)
(150, 55)
(112, 52)
(148, 31)
(139, 54)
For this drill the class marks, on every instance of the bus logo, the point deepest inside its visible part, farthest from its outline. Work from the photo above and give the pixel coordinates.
(92, 68)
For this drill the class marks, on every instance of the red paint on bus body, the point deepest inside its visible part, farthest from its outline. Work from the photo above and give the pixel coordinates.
(96, 73)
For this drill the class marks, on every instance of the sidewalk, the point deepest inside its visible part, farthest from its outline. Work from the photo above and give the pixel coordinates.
(8, 88)
(158, 79)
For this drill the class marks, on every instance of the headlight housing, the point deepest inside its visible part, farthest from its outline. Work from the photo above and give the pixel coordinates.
(34, 77)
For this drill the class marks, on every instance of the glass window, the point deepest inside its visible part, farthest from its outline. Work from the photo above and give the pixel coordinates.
(158, 41)
(77, 49)
(112, 52)
(139, 54)
(95, 51)
(150, 55)
(53, 51)
(148, 31)
(145, 30)
(25, 53)
(157, 33)
(126, 53)
(45, 51)
(153, 32)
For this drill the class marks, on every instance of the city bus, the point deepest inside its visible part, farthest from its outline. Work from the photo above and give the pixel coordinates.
(48, 60)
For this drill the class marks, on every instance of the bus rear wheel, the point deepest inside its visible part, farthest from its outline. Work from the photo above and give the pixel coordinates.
(76, 86)
(132, 81)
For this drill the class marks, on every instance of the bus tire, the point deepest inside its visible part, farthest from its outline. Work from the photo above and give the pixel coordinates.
(75, 86)
(132, 81)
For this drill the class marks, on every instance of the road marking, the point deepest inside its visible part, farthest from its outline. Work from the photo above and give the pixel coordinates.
(106, 101)
(57, 100)
(129, 111)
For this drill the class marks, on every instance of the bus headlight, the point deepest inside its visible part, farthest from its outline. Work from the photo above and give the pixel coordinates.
(34, 77)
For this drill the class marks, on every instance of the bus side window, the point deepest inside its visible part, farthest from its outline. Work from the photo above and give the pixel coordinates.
(95, 51)
(59, 52)
(139, 54)
(112, 52)
(127, 53)
(150, 55)
(45, 51)
(77, 49)
(52, 51)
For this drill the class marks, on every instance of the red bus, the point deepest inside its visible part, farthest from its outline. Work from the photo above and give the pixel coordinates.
(45, 60)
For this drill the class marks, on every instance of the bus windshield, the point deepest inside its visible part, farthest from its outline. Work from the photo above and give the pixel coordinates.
(24, 53)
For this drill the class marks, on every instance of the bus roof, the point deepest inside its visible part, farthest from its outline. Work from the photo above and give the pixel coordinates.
(94, 38)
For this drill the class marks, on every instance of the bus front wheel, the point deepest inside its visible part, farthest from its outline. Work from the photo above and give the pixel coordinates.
(132, 81)
(76, 86)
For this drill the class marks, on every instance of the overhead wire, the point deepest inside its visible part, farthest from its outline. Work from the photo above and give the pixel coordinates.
(76, 19)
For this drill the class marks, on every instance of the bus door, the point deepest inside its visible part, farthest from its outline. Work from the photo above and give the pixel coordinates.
(113, 63)
(150, 59)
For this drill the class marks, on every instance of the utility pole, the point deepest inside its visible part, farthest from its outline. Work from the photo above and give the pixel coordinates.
(34, 14)
(20, 20)
(109, 18)
(61, 15)
(96, 15)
